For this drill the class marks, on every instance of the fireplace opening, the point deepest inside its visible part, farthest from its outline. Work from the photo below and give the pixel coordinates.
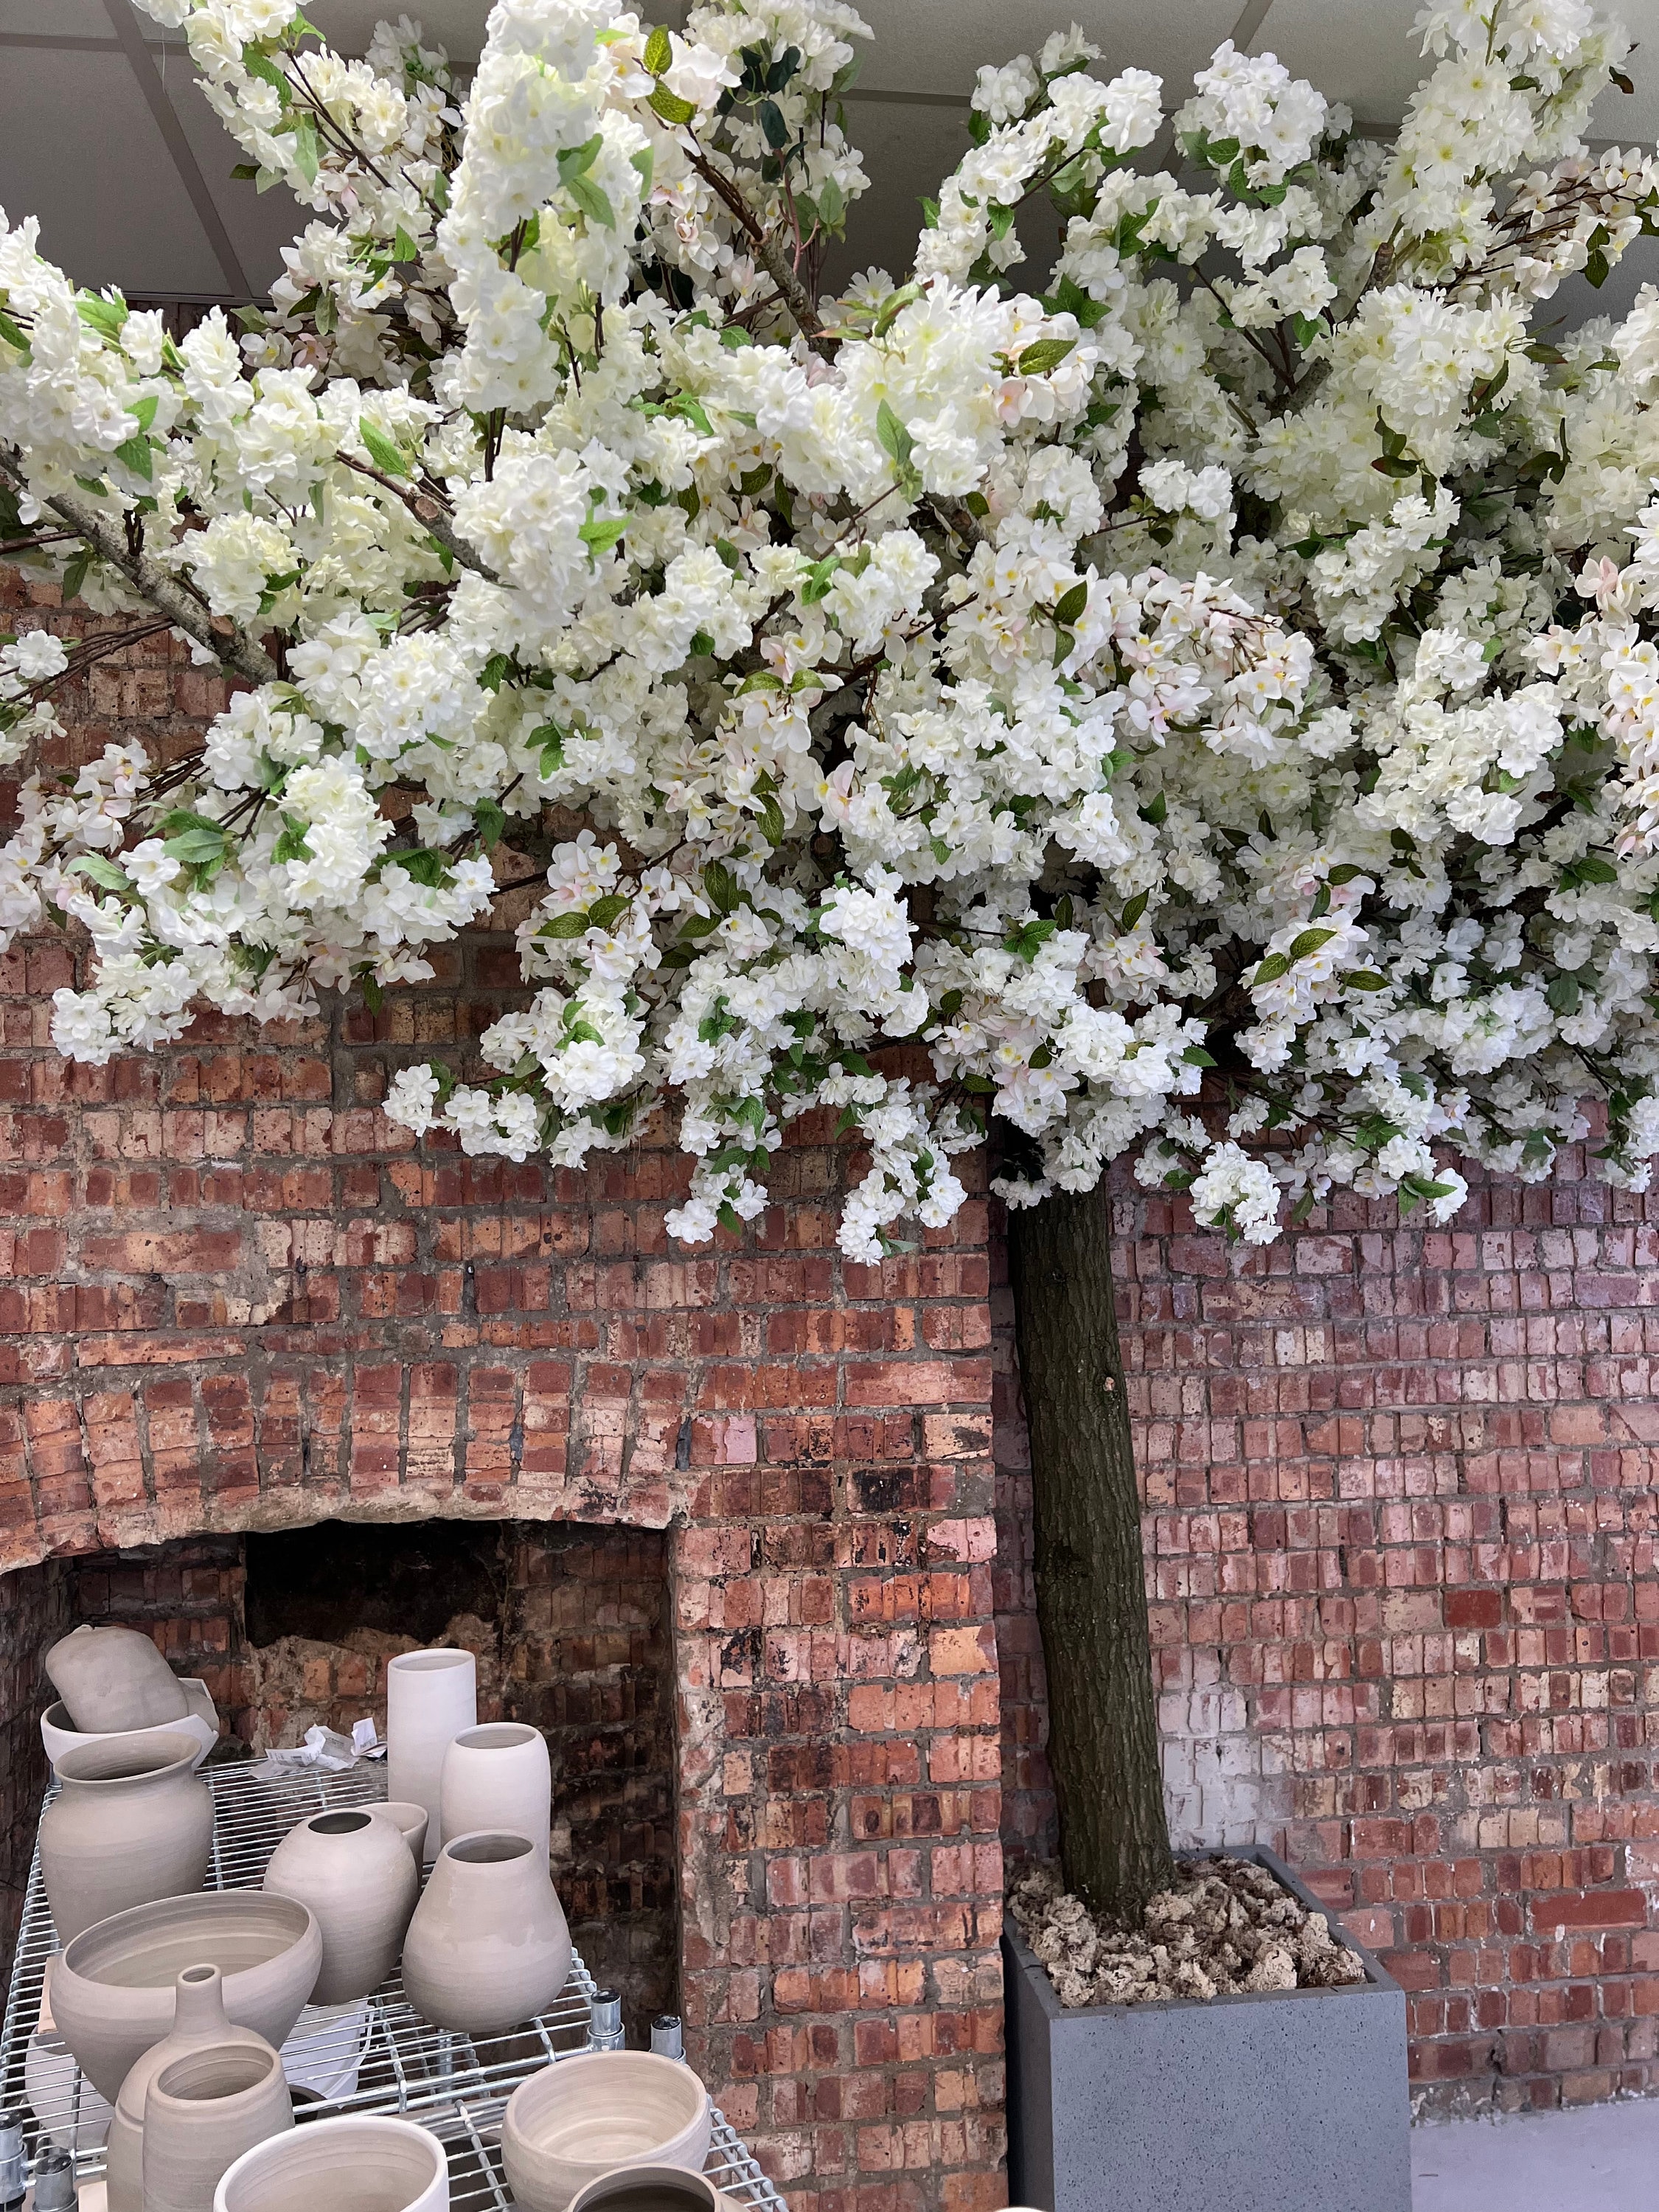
(570, 1627)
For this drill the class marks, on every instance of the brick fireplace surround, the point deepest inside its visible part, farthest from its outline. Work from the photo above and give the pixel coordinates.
(1400, 1530)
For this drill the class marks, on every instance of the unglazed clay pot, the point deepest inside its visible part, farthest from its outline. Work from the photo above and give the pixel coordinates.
(130, 1823)
(652, 2188)
(487, 1946)
(201, 2110)
(430, 1696)
(113, 1680)
(198, 2023)
(498, 1776)
(575, 2121)
(112, 1989)
(59, 1735)
(358, 2163)
(356, 1875)
(408, 1820)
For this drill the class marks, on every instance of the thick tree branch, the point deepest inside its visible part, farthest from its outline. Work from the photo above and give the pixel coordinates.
(777, 263)
(238, 650)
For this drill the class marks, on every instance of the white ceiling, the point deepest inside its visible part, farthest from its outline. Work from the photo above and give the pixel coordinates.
(105, 136)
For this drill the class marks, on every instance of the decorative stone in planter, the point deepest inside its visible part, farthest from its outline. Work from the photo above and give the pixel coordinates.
(1294, 2101)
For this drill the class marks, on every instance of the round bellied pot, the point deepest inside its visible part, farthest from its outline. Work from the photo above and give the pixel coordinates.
(201, 2110)
(130, 1823)
(356, 1875)
(575, 2121)
(499, 1776)
(198, 2023)
(112, 1679)
(651, 2188)
(361, 2163)
(112, 1990)
(430, 1696)
(201, 1720)
(408, 1820)
(487, 1946)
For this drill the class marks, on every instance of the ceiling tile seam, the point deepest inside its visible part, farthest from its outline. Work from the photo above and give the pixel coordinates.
(142, 62)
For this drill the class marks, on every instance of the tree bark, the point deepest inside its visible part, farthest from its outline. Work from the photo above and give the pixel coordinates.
(1091, 1580)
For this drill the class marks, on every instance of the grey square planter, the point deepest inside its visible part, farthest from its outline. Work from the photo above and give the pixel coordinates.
(1290, 2102)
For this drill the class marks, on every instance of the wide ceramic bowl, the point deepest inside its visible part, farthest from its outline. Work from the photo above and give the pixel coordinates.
(581, 2117)
(649, 2189)
(59, 1735)
(363, 2163)
(112, 1989)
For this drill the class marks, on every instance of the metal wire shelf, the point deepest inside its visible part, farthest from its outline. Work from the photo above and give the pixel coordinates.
(376, 2056)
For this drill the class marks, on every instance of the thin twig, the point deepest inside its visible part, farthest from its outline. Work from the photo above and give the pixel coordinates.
(418, 504)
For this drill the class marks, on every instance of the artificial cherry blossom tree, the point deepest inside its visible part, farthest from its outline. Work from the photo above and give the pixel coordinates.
(1200, 699)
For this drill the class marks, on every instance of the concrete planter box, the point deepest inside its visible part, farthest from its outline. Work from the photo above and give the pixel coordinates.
(1290, 2102)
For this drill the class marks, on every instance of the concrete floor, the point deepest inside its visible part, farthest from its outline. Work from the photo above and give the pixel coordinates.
(1603, 2158)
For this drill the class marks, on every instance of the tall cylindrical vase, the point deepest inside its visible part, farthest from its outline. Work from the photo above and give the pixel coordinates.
(131, 1823)
(499, 1777)
(431, 1696)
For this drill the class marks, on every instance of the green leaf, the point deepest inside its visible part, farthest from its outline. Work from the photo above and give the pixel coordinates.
(564, 925)
(1195, 1056)
(671, 107)
(550, 738)
(593, 202)
(101, 871)
(646, 162)
(197, 848)
(1132, 912)
(14, 338)
(495, 671)
(599, 536)
(772, 124)
(491, 821)
(574, 161)
(426, 867)
(403, 247)
(1046, 355)
(260, 65)
(1345, 873)
(1156, 811)
(1564, 993)
(134, 452)
(604, 911)
(291, 844)
(305, 149)
(771, 822)
(1309, 941)
(105, 316)
(1271, 970)
(894, 438)
(1365, 978)
(722, 886)
(143, 410)
(659, 50)
(1070, 606)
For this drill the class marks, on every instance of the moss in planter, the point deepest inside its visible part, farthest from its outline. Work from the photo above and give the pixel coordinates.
(1225, 1927)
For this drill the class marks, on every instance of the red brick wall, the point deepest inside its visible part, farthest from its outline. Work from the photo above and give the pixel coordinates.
(1401, 1533)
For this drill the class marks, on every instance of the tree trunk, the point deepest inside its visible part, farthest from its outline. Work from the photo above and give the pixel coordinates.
(1090, 1581)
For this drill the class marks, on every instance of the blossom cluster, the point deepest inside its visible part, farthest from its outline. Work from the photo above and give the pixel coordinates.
(1201, 702)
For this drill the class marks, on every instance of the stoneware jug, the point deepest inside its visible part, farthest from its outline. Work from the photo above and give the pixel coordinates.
(572, 2122)
(112, 1990)
(430, 1696)
(201, 2110)
(487, 1946)
(113, 1679)
(408, 1820)
(498, 1776)
(130, 1823)
(199, 2021)
(356, 1875)
(361, 2163)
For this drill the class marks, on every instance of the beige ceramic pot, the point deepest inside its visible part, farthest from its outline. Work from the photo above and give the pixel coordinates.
(359, 2164)
(649, 2189)
(201, 1720)
(130, 1823)
(201, 2110)
(498, 1776)
(114, 1679)
(198, 2023)
(430, 1696)
(112, 1989)
(487, 1946)
(356, 1875)
(408, 1820)
(575, 2121)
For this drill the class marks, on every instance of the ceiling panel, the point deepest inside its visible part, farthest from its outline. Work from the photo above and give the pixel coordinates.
(80, 148)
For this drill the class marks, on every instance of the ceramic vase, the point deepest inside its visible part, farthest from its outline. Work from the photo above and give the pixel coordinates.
(198, 2022)
(408, 1820)
(59, 1735)
(571, 2123)
(112, 1679)
(487, 1946)
(130, 1823)
(356, 1875)
(201, 2110)
(361, 2163)
(112, 1990)
(498, 1776)
(649, 2189)
(430, 1698)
